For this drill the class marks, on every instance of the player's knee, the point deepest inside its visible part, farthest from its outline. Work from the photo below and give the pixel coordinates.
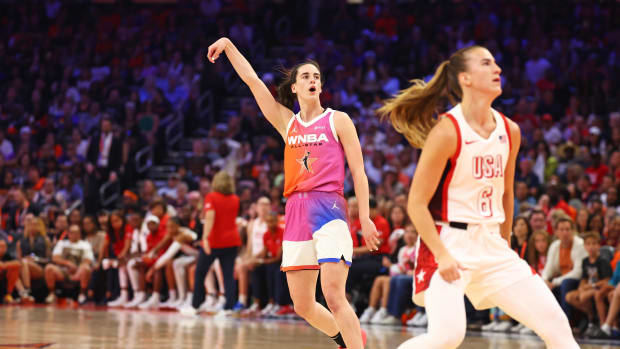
(303, 308)
(336, 302)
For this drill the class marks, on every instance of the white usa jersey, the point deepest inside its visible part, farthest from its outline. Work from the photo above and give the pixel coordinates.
(472, 184)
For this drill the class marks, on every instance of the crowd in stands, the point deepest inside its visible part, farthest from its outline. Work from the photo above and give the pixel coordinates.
(84, 87)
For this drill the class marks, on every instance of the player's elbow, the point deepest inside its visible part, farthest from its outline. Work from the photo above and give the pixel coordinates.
(414, 208)
(251, 79)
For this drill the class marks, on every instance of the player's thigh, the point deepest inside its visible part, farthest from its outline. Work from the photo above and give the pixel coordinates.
(302, 285)
(334, 277)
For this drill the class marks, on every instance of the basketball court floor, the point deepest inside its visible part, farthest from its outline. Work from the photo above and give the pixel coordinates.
(90, 328)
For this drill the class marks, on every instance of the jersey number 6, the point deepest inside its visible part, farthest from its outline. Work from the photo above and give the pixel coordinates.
(485, 208)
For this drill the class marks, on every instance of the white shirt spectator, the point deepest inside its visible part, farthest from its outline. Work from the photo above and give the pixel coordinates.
(76, 252)
(552, 268)
(105, 144)
(231, 161)
(167, 191)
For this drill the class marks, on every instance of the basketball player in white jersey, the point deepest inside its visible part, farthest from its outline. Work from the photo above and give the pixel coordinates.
(461, 202)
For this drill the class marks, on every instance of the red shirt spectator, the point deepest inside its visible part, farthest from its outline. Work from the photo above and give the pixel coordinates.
(119, 243)
(568, 209)
(596, 175)
(597, 171)
(273, 241)
(153, 239)
(224, 232)
(383, 228)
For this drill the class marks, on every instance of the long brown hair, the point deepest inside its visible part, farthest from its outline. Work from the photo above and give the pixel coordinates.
(412, 110)
(532, 253)
(286, 97)
(41, 231)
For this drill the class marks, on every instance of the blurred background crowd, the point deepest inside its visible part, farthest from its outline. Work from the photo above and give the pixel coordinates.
(110, 115)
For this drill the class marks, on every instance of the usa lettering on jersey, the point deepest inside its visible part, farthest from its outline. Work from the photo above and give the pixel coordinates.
(487, 166)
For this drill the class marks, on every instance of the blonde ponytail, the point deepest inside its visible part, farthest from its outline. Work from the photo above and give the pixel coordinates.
(412, 111)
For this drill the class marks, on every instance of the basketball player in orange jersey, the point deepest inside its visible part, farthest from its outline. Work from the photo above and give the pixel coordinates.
(316, 234)
(461, 202)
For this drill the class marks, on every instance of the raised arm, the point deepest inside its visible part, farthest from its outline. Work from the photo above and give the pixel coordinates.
(441, 144)
(353, 151)
(277, 114)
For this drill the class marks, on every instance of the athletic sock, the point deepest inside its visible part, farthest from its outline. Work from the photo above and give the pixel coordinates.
(338, 339)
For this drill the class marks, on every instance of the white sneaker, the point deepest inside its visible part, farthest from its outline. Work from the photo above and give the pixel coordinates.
(274, 310)
(516, 328)
(489, 327)
(208, 304)
(379, 316)
(422, 321)
(253, 309)
(187, 302)
(526, 331)
(51, 298)
(151, 303)
(266, 310)
(81, 298)
(503, 326)
(367, 315)
(188, 311)
(414, 319)
(391, 320)
(138, 298)
(220, 304)
(170, 303)
(118, 302)
(174, 305)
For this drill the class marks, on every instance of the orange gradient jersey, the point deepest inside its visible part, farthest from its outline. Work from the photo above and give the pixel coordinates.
(313, 156)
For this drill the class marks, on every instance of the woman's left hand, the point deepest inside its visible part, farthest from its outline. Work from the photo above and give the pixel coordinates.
(371, 236)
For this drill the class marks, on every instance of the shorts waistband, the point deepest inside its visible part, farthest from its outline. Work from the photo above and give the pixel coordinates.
(312, 194)
(461, 225)
(456, 225)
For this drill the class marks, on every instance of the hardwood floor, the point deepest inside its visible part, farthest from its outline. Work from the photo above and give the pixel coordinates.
(90, 328)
